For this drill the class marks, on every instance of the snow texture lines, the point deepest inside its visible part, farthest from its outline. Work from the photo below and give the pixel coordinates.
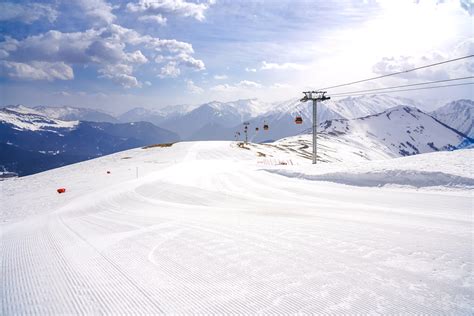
(205, 230)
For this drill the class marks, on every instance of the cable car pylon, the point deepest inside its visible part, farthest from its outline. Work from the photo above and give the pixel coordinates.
(315, 96)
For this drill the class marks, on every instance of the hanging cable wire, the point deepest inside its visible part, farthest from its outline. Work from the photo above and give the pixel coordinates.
(402, 90)
(397, 73)
(402, 86)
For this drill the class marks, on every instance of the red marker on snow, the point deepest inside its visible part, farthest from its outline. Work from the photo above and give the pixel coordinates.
(61, 190)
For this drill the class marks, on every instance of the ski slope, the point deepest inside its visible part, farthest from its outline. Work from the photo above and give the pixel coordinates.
(206, 228)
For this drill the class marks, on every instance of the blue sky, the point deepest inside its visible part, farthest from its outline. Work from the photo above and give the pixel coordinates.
(116, 55)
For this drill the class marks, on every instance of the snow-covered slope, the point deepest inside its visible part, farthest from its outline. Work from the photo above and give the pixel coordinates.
(281, 115)
(354, 107)
(458, 114)
(330, 149)
(401, 130)
(24, 118)
(206, 228)
(396, 132)
(69, 113)
(31, 142)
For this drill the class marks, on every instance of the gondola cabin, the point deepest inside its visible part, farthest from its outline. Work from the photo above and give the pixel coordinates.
(298, 120)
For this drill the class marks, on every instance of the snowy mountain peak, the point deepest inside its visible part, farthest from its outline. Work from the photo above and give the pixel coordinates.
(354, 107)
(24, 118)
(400, 111)
(403, 130)
(177, 109)
(244, 107)
(70, 113)
(458, 114)
(21, 109)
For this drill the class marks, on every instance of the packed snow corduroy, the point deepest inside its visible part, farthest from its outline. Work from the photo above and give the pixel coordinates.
(61, 190)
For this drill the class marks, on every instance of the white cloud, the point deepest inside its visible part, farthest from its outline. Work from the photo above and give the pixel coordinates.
(157, 18)
(61, 94)
(170, 7)
(220, 77)
(121, 74)
(191, 87)
(109, 48)
(126, 81)
(250, 69)
(284, 66)
(223, 88)
(97, 9)
(185, 59)
(136, 57)
(281, 86)
(169, 70)
(249, 84)
(27, 13)
(240, 86)
(36, 70)
(389, 65)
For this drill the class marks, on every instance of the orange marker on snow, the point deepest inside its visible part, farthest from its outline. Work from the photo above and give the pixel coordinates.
(61, 190)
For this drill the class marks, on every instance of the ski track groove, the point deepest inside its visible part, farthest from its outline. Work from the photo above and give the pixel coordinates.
(183, 268)
(215, 246)
(131, 285)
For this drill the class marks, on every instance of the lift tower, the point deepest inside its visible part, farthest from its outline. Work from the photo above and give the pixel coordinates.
(315, 96)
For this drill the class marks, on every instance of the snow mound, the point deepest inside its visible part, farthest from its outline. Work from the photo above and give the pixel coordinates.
(394, 177)
(442, 169)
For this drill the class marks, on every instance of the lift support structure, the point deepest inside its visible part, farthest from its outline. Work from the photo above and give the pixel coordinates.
(315, 96)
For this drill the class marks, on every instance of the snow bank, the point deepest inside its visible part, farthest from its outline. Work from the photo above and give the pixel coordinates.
(441, 169)
(398, 177)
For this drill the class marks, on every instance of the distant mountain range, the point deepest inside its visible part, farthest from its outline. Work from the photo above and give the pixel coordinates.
(221, 120)
(36, 139)
(69, 113)
(396, 132)
(31, 142)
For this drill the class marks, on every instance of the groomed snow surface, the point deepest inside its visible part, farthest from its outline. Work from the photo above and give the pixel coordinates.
(208, 227)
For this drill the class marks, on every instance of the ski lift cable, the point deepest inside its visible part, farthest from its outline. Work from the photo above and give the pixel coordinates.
(402, 90)
(401, 86)
(384, 92)
(423, 88)
(398, 73)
